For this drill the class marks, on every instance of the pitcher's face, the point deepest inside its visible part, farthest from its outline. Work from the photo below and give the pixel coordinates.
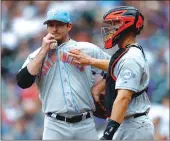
(59, 29)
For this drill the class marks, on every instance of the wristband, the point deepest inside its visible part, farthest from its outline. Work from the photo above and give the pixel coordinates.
(110, 130)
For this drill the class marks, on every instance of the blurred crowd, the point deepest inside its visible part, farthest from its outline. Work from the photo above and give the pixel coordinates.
(22, 32)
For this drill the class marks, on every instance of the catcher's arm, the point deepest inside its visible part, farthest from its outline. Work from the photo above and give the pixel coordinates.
(119, 109)
(120, 105)
(84, 59)
(98, 89)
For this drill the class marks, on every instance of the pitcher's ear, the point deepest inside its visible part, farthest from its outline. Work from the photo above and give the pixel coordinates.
(69, 25)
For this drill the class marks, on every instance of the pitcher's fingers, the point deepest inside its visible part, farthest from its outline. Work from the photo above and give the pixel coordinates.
(50, 36)
(53, 45)
(51, 41)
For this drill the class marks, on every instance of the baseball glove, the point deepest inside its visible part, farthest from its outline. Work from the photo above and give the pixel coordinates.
(100, 108)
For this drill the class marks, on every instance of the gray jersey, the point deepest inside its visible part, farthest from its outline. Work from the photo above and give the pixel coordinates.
(132, 72)
(65, 87)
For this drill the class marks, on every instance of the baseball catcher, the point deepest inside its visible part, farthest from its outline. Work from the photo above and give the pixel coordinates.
(126, 104)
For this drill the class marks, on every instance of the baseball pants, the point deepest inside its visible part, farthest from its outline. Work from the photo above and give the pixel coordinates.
(61, 130)
(140, 128)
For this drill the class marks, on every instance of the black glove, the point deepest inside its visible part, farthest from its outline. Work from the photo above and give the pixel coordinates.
(111, 128)
(100, 108)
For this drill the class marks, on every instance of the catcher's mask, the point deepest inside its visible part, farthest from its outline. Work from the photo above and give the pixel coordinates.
(118, 22)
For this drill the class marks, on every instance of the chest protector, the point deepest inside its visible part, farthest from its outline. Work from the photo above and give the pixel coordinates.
(111, 92)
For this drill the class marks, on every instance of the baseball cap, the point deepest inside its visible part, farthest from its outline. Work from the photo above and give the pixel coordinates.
(57, 15)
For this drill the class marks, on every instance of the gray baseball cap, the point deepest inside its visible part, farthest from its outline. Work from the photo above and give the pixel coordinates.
(56, 15)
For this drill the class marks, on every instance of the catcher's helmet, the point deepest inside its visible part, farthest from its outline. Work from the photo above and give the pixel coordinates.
(121, 20)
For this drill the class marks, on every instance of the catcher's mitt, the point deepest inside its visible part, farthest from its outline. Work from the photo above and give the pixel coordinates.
(100, 108)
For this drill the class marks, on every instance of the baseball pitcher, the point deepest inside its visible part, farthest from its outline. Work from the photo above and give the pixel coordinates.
(64, 85)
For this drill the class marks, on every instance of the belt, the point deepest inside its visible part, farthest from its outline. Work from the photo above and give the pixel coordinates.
(72, 119)
(135, 115)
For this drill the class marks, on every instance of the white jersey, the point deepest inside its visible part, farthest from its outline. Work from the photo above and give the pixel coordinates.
(132, 73)
(65, 87)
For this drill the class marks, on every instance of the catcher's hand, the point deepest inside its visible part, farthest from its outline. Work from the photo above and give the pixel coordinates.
(100, 108)
(110, 130)
(99, 97)
(79, 57)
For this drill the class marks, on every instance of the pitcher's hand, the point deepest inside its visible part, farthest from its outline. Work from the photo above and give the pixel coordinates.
(48, 42)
